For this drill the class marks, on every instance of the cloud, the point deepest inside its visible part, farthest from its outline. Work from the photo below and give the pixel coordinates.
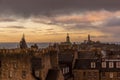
(50, 29)
(101, 36)
(111, 25)
(7, 20)
(112, 22)
(54, 16)
(51, 7)
(15, 27)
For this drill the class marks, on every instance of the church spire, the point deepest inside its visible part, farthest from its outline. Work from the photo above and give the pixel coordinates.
(23, 44)
(23, 36)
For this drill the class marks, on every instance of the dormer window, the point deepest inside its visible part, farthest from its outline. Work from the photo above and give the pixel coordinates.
(103, 64)
(65, 70)
(117, 64)
(111, 65)
(93, 64)
(37, 73)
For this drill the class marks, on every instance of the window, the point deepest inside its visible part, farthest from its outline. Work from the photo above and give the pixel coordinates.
(93, 65)
(118, 75)
(103, 74)
(23, 74)
(111, 75)
(63, 71)
(84, 73)
(103, 64)
(68, 69)
(111, 65)
(14, 65)
(117, 64)
(37, 73)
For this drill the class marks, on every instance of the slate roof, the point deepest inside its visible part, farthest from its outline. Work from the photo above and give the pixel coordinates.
(107, 69)
(65, 57)
(86, 64)
(87, 55)
(53, 74)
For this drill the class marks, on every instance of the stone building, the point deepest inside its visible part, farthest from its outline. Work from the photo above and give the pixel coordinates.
(23, 44)
(86, 69)
(29, 63)
(61, 61)
(15, 65)
(90, 66)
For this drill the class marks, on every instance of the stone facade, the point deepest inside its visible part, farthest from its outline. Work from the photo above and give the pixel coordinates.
(86, 75)
(28, 64)
(15, 67)
(64, 61)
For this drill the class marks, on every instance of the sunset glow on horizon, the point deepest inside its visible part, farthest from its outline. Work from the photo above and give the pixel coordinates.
(42, 25)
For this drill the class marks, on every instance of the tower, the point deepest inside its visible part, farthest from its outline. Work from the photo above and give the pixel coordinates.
(23, 44)
(68, 38)
(89, 38)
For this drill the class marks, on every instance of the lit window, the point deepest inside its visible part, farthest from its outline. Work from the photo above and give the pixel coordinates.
(103, 64)
(117, 64)
(93, 65)
(111, 65)
(111, 75)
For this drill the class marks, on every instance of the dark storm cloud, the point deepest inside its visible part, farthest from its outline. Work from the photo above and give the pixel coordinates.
(48, 7)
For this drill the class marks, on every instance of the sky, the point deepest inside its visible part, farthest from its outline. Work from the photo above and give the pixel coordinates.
(51, 20)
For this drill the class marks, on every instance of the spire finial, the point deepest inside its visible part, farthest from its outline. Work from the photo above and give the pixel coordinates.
(23, 35)
(67, 34)
(68, 38)
(23, 42)
(89, 37)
